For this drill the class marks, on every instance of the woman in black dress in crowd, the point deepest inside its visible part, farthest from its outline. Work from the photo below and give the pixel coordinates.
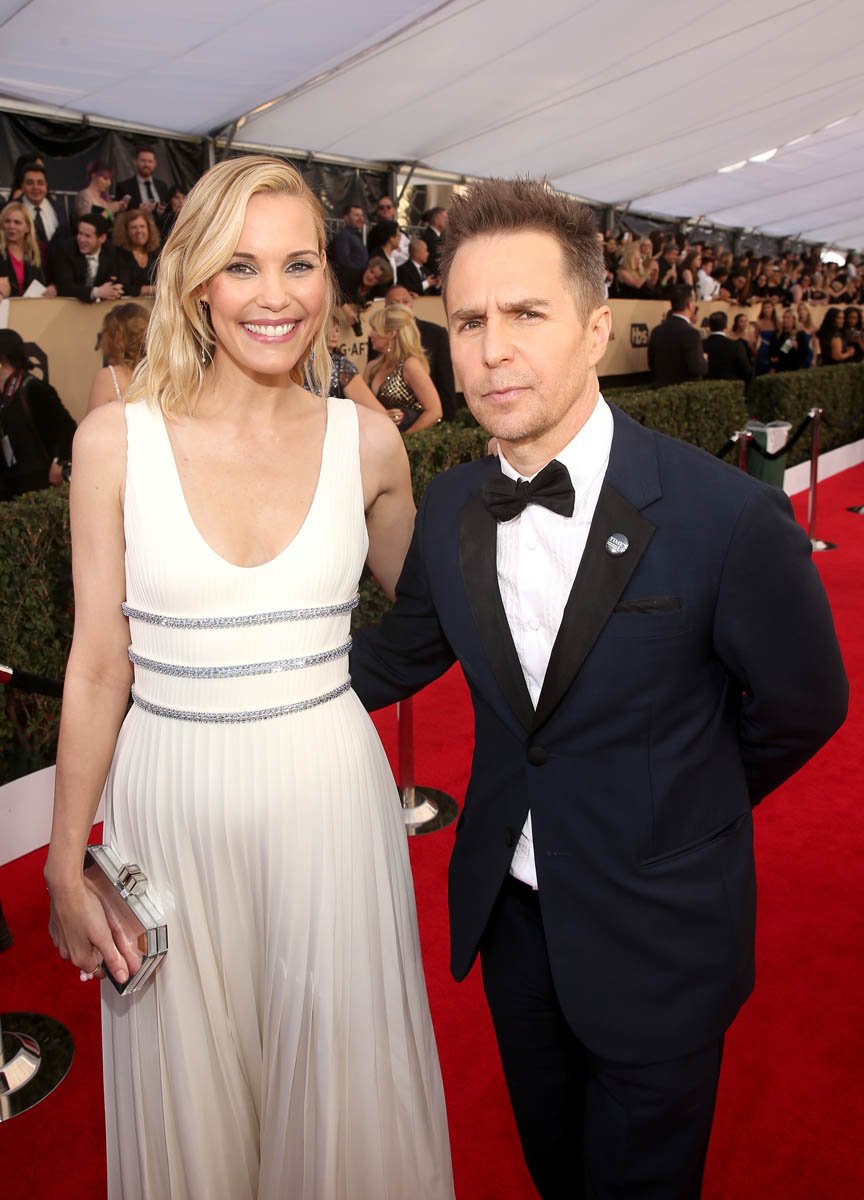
(852, 332)
(167, 213)
(832, 345)
(35, 429)
(789, 346)
(137, 240)
(742, 333)
(20, 256)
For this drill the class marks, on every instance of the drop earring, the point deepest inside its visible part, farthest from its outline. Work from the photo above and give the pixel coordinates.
(205, 317)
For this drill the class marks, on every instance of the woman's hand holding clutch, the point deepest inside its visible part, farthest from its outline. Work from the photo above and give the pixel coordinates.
(80, 931)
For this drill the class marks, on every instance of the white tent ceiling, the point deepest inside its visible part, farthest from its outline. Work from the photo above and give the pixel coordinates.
(617, 101)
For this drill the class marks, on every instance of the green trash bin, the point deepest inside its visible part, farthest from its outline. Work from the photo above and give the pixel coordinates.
(772, 437)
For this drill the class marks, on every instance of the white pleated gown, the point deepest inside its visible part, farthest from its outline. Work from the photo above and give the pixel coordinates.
(284, 1048)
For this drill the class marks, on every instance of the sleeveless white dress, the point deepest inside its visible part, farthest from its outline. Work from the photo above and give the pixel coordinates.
(284, 1048)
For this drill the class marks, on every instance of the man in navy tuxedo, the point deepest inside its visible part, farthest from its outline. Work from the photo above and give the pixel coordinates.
(649, 652)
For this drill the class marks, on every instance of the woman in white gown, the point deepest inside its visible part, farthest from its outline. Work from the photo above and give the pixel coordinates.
(221, 518)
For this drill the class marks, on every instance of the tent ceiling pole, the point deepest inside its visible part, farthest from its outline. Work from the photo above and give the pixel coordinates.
(404, 189)
(229, 138)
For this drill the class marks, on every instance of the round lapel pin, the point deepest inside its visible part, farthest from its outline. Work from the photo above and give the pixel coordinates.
(617, 543)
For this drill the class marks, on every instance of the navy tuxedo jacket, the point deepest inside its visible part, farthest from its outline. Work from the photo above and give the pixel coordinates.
(691, 675)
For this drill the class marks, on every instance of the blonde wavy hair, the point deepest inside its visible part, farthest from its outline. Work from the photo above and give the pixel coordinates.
(200, 245)
(31, 244)
(399, 319)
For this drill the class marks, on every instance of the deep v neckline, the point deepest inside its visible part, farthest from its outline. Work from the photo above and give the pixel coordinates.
(199, 536)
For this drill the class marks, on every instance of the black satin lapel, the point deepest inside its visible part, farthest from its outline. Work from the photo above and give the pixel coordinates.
(478, 532)
(597, 588)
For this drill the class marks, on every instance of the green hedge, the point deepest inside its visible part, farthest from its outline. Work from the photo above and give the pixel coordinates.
(35, 569)
(790, 395)
(36, 601)
(704, 412)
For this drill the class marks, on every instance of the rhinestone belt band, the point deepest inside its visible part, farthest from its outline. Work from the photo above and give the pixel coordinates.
(267, 618)
(239, 718)
(242, 669)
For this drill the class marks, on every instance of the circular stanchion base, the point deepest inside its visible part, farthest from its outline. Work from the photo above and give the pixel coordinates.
(856, 508)
(35, 1054)
(430, 811)
(817, 544)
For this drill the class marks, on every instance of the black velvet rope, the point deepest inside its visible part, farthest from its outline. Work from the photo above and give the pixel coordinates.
(796, 436)
(793, 440)
(39, 685)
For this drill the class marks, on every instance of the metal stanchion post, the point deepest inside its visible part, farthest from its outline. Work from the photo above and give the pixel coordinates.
(815, 415)
(424, 809)
(743, 437)
(35, 1054)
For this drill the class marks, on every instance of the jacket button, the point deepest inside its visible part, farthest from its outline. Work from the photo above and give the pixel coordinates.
(537, 756)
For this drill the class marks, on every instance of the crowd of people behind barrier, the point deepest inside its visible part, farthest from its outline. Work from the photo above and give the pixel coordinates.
(105, 245)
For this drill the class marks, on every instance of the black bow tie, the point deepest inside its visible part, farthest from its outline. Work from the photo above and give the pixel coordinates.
(506, 498)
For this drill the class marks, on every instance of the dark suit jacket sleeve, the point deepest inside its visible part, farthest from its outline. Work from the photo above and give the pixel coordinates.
(408, 649)
(774, 632)
(652, 344)
(128, 187)
(408, 276)
(66, 274)
(441, 366)
(54, 424)
(743, 364)
(696, 361)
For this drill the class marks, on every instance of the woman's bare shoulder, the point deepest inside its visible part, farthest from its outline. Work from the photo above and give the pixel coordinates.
(102, 433)
(379, 437)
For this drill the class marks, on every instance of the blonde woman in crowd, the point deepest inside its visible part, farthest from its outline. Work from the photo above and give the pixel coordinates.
(121, 340)
(805, 324)
(221, 517)
(399, 374)
(20, 257)
(632, 277)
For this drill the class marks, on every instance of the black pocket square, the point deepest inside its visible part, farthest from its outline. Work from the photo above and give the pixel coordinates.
(649, 604)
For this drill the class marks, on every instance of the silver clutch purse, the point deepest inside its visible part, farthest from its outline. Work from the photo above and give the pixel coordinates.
(136, 923)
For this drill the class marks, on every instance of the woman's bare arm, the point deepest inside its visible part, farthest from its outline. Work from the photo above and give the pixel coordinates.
(358, 390)
(420, 383)
(96, 690)
(387, 497)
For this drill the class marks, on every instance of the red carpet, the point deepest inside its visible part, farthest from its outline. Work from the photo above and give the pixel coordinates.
(791, 1107)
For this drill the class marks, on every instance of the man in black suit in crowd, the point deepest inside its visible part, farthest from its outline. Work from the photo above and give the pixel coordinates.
(675, 345)
(650, 653)
(49, 220)
(380, 232)
(437, 346)
(347, 249)
(727, 357)
(414, 275)
(143, 188)
(433, 235)
(86, 266)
